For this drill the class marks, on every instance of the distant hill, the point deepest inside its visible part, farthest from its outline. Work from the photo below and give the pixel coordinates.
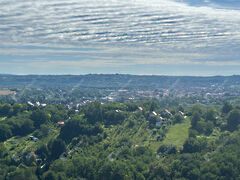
(115, 81)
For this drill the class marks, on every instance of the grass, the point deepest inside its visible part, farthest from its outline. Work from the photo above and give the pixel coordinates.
(177, 134)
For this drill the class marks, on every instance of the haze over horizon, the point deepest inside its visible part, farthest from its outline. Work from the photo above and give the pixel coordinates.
(159, 37)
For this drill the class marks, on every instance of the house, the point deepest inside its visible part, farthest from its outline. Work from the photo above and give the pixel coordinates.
(160, 118)
(61, 123)
(140, 108)
(69, 107)
(34, 139)
(154, 113)
(29, 103)
(166, 113)
(181, 113)
(159, 122)
(31, 154)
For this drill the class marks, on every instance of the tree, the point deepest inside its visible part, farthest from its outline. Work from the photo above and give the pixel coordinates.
(42, 152)
(167, 149)
(93, 112)
(39, 117)
(181, 108)
(78, 126)
(5, 109)
(196, 117)
(49, 175)
(158, 170)
(233, 119)
(113, 117)
(132, 107)
(116, 170)
(197, 108)
(17, 108)
(204, 127)
(153, 106)
(208, 176)
(57, 147)
(192, 133)
(5, 132)
(42, 132)
(27, 127)
(194, 174)
(22, 174)
(3, 150)
(227, 107)
(152, 121)
(193, 145)
(56, 117)
(211, 115)
(178, 118)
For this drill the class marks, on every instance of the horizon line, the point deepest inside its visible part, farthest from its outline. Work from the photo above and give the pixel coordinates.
(6, 74)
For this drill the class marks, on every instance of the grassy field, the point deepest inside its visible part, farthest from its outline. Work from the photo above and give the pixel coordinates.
(177, 134)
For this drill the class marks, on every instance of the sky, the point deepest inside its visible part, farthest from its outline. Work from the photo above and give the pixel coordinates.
(160, 37)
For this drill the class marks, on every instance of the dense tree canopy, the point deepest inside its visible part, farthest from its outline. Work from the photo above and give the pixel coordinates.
(119, 141)
(233, 119)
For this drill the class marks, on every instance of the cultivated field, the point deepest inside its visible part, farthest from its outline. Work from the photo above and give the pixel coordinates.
(6, 92)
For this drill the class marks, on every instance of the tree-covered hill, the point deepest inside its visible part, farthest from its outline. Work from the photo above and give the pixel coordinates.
(119, 141)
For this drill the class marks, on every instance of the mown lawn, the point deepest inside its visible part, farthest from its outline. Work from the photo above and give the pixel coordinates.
(177, 134)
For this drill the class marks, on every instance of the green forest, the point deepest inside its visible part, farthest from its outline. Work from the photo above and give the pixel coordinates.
(119, 141)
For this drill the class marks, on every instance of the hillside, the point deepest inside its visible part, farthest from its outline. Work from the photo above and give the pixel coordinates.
(119, 141)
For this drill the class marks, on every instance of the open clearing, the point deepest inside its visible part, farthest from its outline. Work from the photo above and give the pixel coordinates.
(177, 134)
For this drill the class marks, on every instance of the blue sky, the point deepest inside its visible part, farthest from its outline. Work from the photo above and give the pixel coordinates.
(162, 37)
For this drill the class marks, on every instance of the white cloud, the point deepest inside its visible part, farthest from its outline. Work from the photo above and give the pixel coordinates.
(127, 31)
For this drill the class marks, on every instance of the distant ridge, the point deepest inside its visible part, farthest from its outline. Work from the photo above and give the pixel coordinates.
(115, 81)
(7, 74)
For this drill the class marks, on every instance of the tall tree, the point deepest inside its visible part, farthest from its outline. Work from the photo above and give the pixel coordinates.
(39, 117)
(233, 119)
(57, 147)
(227, 107)
(5, 132)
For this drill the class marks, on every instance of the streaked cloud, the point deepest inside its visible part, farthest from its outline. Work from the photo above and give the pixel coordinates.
(113, 33)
